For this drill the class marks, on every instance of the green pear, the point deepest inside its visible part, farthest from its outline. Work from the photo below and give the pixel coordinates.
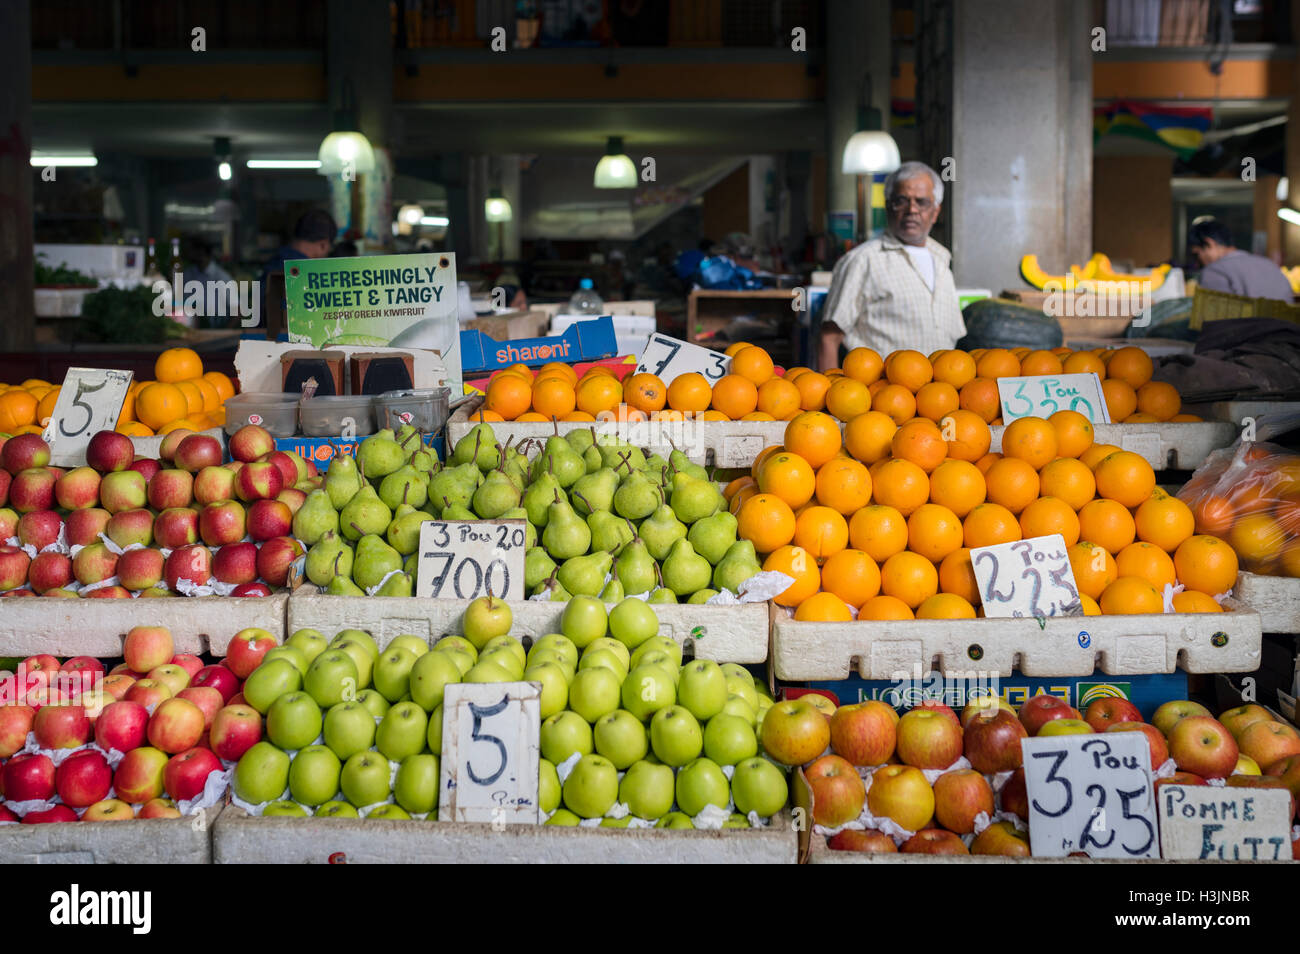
(495, 496)
(315, 518)
(636, 497)
(591, 457)
(681, 464)
(328, 557)
(552, 589)
(685, 571)
(425, 460)
(613, 592)
(379, 455)
(581, 439)
(375, 559)
(619, 454)
(538, 498)
(560, 459)
(593, 492)
(365, 513)
(343, 586)
(585, 575)
(399, 584)
(662, 595)
(566, 534)
(702, 596)
(737, 565)
(713, 535)
(457, 512)
(404, 532)
(608, 532)
(478, 447)
(660, 531)
(342, 481)
(538, 566)
(635, 568)
(404, 486)
(694, 499)
(454, 485)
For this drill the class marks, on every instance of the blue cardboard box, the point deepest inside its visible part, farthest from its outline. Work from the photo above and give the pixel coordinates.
(321, 450)
(581, 341)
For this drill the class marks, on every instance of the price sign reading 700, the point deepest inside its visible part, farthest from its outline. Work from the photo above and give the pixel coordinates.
(466, 559)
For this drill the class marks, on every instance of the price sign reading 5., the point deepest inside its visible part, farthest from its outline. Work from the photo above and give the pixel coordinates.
(666, 358)
(1027, 578)
(89, 401)
(490, 753)
(1044, 394)
(1090, 793)
(466, 559)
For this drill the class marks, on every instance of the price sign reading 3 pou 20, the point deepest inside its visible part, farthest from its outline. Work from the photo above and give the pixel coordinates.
(490, 753)
(90, 401)
(1027, 578)
(667, 358)
(1044, 394)
(466, 559)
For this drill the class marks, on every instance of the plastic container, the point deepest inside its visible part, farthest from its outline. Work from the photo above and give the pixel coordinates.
(276, 412)
(347, 415)
(424, 409)
(585, 300)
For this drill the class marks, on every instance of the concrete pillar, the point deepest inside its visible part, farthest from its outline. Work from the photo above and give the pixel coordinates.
(17, 315)
(1291, 233)
(1022, 138)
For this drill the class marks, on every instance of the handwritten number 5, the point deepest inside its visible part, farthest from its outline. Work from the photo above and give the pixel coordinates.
(480, 713)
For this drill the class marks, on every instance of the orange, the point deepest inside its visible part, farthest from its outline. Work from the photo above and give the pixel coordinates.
(798, 563)
(766, 520)
(735, 396)
(509, 395)
(1148, 561)
(987, 461)
(158, 404)
(645, 392)
(997, 363)
(1258, 539)
(1090, 607)
(762, 457)
(553, 397)
(736, 347)
(1069, 480)
(1185, 418)
(908, 368)
(1126, 477)
(741, 495)
(1129, 595)
(823, 608)
(863, 364)
(956, 368)
(1095, 454)
(133, 429)
(1140, 417)
(933, 531)
(690, 392)
(980, 395)
(885, 608)
(1030, 439)
(958, 485)
(713, 415)
(945, 606)
(753, 363)
(910, 577)
(900, 484)
(193, 397)
(1207, 564)
(1194, 601)
(957, 575)
(488, 417)
(1084, 362)
(582, 416)
(936, 399)
(565, 370)
(1159, 399)
(1289, 564)
(1121, 399)
(843, 485)
(1130, 365)
(535, 417)
(814, 436)
(1040, 362)
(1074, 433)
(896, 401)
(1020, 352)
(792, 373)
(878, 531)
(812, 388)
(921, 442)
(598, 392)
(1165, 521)
(847, 398)
(868, 436)
(45, 407)
(1107, 524)
(177, 364)
(777, 397)
(740, 482)
(967, 435)
(128, 405)
(180, 424)
(988, 524)
(1048, 515)
(789, 477)
(852, 576)
(1013, 483)
(821, 531)
(522, 370)
(1094, 568)
(211, 398)
(18, 409)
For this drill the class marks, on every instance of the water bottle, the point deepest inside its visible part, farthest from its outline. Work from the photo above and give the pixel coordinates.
(586, 300)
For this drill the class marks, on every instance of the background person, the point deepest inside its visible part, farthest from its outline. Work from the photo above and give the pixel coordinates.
(1226, 268)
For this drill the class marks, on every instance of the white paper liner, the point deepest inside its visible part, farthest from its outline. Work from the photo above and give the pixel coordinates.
(372, 590)
(566, 767)
(712, 816)
(1170, 591)
(1167, 770)
(102, 584)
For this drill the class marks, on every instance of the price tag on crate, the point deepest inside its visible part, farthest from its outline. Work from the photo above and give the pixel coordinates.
(1027, 578)
(1090, 793)
(1224, 824)
(89, 401)
(490, 753)
(668, 358)
(1045, 394)
(466, 559)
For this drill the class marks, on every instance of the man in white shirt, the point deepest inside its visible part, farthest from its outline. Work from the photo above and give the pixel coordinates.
(896, 291)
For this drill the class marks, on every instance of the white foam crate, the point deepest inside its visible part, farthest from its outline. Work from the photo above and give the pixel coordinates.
(85, 627)
(1164, 446)
(1276, 597)
(820, 854)
(150, 446)
(241, 839)
(1062, 646)
(721, 633)
(147, 841)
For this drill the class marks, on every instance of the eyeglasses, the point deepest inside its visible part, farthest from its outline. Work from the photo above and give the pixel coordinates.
(900, 202)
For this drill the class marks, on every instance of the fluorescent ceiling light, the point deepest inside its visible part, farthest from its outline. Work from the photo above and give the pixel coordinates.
(223, 170)
(45, 161)
(1289, 215)
(283, 163)
(435, 220)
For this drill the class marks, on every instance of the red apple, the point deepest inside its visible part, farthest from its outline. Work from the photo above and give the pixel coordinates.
(1241, 718)
(1201, 745)
(171, 441)
(147, 647)
(176, 527)
(901, 793)
(116, 684)
(123, 490)
(122, 726)
(838, 792)
(39, 528)
(235, 730)
(1159, 747)
(146, 467)
(29, 778)
(1168, 714)
(198, 451)
(176, 725)
(61, 726)
(24, 451)
(159, 808)
(852, 839)
(251, 442)
(1001, 838)
(83, 778)
(993, 742)
(939, 707)
(251, 589)
(84, 526)
(864, 733)
(32, 490)
(1043, 708)
(982, 704)
(235, 563)
(171, 489)
(6, 816)
(214, 484)
(794, 731)
(148, 692)
(268, 519)
(15, 722)
(259, 480)
(275, 556)
(187, 773)
(59, 813)
(206, 698)
(140, 569)
(1111, 710)
(245, 652)
(928, 739)
(109, 451)
(219, 678)
(78, 489)
(1269, 742)
(959, 797)
(189, 662)
(934, 841)
(14, 567)
(170, 675)
(192, 563)
(139, 776)
(1015, 796)
(1179, 778)
(222, 522)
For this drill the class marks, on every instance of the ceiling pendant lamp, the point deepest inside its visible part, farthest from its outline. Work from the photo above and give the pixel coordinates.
(615, 170)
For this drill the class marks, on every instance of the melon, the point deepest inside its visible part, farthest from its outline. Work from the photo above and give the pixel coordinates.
(998, 323)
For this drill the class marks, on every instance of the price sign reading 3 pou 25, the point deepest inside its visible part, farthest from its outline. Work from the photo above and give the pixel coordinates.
(90, 401)
(1027, 578)
(667, 358)
(466, 559)
(490, 753)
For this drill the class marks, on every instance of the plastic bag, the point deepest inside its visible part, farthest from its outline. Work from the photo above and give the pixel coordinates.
(1249, 495)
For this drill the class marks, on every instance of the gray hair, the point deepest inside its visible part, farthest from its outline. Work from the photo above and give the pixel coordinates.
(910, 170)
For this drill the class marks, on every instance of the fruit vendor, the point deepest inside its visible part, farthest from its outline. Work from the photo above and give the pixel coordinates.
(1226, 268)
(896, 291)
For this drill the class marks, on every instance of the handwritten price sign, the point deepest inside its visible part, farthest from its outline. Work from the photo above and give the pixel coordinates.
(465, 559)
(1044, 395)
(490, 753)
(1027, 578)
(668, 358)
(1224, 824)
(89, 401)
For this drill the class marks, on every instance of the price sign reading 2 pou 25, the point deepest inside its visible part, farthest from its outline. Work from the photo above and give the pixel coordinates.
(466, 559)
(667, 358)
(1045, 394)
(1027, 578)
(490, 753)
(90, 401)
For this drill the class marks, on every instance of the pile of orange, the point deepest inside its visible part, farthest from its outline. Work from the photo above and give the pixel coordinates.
(879, 520)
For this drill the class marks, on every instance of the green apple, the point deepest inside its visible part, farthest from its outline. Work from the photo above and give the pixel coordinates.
(593, 693)
(675, 736)
(729, 739)
(374, 702)
(269, 682)
(664, 644)
(623, 822)
(359, 636)
(392, 672)
(563, 734)
(314, 775)
(485, 618)
(554, 683)
(337, 810)
(744, 688)
(293, 721)
(759, 786)
(332, 678)
(614, 646)
(647, 789)
(561, 644)
(430, 676)
(457, 643)
(402, 732)
(739, 672)
(309, 641)
(284, 810)
(737, 706)
(502, 657)
(736, 821)
(646, 690)
(349, 729)
(633, 622)
(538, 656)
(416, 786)
(390, 812)
(564, 818)
(487, 671)
(549, 792)
(433, 736)
(620, 737)
(364, 779)
(675, 820)
(262, 773)
(657, 657)
(584, 620)
(292, 653)
(592, 787)
(514, 645)
(464, 661)
(605, 659)
(417, 646)
(701, 783)
(360, 655)
(702, 689)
